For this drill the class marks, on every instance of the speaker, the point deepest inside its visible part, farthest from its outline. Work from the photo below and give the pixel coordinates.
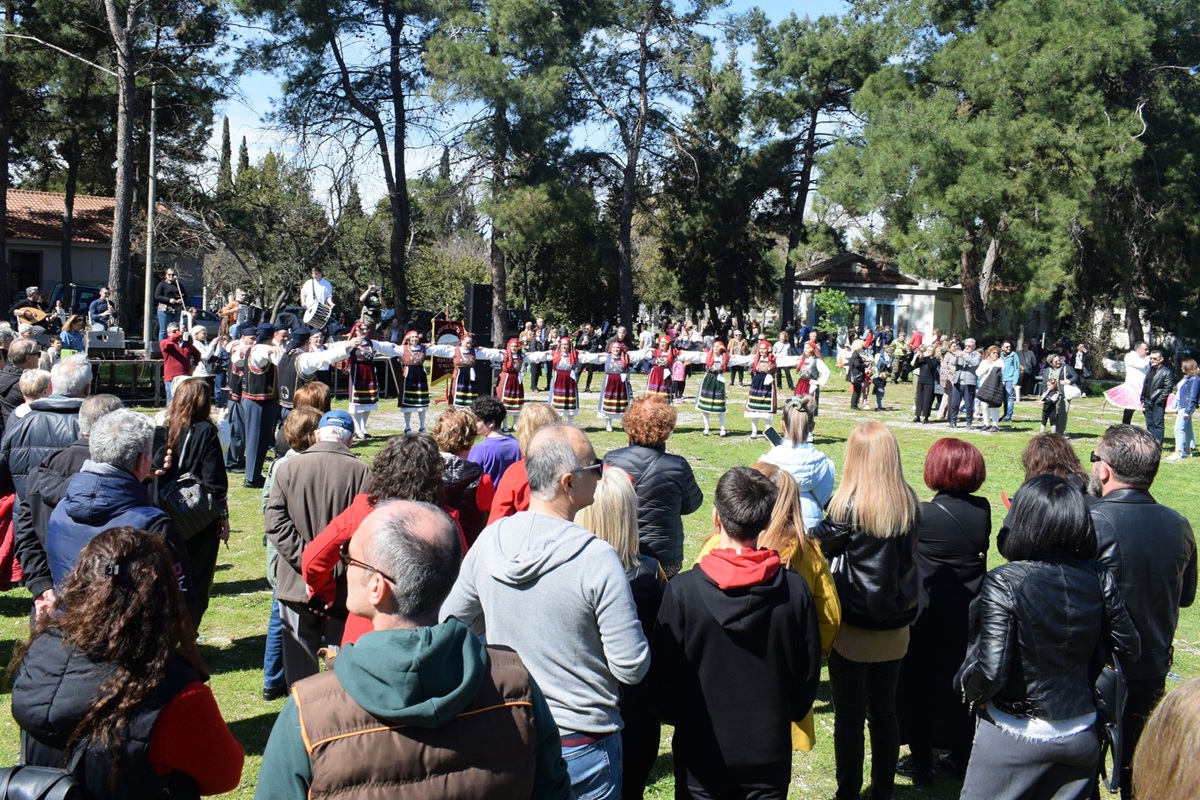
(477, 311)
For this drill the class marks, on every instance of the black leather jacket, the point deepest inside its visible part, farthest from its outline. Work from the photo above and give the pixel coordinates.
(667, 492)
(876, 578)
(1035, 629)
(1158, 386)
(1151, 552)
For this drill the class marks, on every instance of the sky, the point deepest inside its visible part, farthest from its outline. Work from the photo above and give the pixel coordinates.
(247, 110)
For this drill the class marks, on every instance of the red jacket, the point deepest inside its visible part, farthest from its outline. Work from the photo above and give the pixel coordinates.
(179, 357)
(321, 557)
(512, 495)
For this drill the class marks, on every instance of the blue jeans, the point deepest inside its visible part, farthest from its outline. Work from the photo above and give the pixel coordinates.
(273, 652)
(1185, 440)
(595, 769)
(1010, 402)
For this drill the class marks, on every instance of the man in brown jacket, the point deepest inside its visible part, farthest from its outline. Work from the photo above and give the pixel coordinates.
(309, 491)
(415, 708)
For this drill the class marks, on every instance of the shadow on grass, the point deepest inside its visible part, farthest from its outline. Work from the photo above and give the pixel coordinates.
(243, 653)
(16, 603)
(244, 586)
(253, 732)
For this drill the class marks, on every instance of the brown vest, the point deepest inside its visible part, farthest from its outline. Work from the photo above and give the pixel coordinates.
(488, 750)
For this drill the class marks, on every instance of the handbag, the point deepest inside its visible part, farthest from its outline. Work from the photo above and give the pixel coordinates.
(24, 782)
(188, 500)
(992, 389)
(1111, 693)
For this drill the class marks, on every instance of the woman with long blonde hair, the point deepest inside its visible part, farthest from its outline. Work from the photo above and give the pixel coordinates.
(786, 535)
(512, 490)
(612, 516)
(869, 537)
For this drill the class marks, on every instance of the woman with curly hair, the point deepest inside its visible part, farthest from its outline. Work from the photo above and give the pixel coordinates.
(195, 447)
(409, 467)
(468, 489)
(666, 488)
(112, 685)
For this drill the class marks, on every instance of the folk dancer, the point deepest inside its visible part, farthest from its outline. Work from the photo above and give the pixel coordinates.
(564, 390)
(260, 398)
(465, 383)
(235, 456)
(761, 402)
(659, 382)
(711, 398)
(509, 390)
(615, 397)
(302, 361)
(364, 390)
(414, 391)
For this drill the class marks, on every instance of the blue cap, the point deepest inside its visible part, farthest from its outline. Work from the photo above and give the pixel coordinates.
(337, 419)
(265, 331)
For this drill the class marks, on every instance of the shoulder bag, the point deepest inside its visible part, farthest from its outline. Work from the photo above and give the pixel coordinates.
(188, 500)
(24, 782)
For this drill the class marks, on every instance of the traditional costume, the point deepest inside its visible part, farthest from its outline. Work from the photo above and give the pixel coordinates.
(614, 400)
(260, 401)
(414, 387)
(761, 402)
(465, 383)
(711, 398)
(509, 390)
(1129, 394)
(564, 391)
(659, 382)
(364, 391)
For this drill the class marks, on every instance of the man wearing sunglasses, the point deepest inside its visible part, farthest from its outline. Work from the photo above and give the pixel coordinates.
(1155, 392)
(556, 594)
(413, 703)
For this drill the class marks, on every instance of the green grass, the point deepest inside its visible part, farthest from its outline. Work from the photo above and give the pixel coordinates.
(236, 619)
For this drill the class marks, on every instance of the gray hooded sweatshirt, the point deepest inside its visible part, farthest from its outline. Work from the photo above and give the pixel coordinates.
(557, 595)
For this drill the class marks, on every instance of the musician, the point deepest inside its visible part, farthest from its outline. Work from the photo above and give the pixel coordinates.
(237, 314)
(171, 298)
(372, 305)
(180, 357)
(316, 291)
(302, 361)
(414, 390)
(102, 312)
(32, 310)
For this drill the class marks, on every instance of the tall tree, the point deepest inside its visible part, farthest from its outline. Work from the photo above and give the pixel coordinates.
(807, 72)
(630, 75)
(351, 70)
(509, 55)
(225, 168)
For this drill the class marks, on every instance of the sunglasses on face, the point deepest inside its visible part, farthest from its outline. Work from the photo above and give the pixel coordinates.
(596, 465)
(348, 560)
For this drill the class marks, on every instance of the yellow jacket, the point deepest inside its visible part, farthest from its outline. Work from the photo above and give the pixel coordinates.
(811, 566)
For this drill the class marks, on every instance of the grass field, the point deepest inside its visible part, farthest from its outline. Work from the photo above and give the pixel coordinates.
(236, 620)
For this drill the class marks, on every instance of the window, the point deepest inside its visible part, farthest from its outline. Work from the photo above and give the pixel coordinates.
(885, 314)
(25, 269)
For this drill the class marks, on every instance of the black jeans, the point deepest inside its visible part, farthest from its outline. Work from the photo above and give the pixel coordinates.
(639, 751)
(864, 693)
(1156, 421)
(924, 400)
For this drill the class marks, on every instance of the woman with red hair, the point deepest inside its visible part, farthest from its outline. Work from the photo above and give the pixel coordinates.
(951, 557)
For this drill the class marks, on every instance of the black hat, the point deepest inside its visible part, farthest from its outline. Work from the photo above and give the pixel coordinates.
(265, 331)
(300, 336)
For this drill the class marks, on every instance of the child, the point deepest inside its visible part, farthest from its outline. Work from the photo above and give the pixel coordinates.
(679, 377)
(1049, 404)
(883, 361)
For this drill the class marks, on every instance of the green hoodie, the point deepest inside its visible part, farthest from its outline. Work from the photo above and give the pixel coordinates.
(421, 677)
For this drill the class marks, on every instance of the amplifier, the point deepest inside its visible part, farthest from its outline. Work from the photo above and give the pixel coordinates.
(105, 344)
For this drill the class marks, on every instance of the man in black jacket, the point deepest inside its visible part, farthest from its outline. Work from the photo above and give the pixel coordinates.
(736, 654)
(23, 354)
(51, 424)
(44, 489)
(1155, 392)
(1151, 552)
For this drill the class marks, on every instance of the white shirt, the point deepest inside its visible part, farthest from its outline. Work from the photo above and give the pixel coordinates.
(315, 291)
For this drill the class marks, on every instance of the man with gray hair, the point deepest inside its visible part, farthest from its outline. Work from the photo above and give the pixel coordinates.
(23, 354)
(1151, 552)
(109, 492)
(44, 490)
(51, 424)
(309, 491)
(414, 705)
(963, 394)
(558, 595)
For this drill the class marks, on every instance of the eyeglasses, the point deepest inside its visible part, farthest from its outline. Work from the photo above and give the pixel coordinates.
(346, 559)
(1095, 457)
(597, 465)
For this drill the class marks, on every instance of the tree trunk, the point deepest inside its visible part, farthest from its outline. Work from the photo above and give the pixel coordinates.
(625, 237)
(797, 230)
(973, 308)
(496, 255)
(398, 197)
(120, 24)
(68, 227)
